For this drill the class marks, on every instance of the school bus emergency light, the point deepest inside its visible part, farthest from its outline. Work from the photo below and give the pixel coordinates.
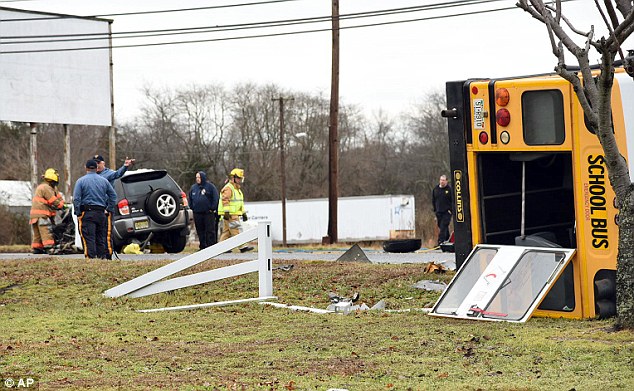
(535, 219)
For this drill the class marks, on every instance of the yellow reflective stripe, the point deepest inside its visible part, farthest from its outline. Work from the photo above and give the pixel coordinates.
(83, 241)
(108, 235)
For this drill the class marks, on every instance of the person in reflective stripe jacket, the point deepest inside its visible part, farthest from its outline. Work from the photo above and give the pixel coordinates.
(46, 200)
(231, 206)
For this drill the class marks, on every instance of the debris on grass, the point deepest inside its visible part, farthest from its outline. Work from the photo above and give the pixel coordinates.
(431, 267)
(429, 285)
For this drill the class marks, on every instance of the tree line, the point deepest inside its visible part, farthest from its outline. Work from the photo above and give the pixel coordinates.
(214, 129)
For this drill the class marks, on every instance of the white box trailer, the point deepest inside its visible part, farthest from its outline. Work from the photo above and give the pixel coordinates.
(365, 218)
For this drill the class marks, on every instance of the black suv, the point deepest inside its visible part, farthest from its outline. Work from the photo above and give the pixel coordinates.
(151, 207)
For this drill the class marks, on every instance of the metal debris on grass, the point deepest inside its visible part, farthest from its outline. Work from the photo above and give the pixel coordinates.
(430, 285)
(284, 268)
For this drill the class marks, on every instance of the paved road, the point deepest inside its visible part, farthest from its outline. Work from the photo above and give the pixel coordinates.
(375, 256)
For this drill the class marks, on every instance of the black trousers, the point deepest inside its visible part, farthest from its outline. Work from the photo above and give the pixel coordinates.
(206, 229)
(443, 219)
(94, 227)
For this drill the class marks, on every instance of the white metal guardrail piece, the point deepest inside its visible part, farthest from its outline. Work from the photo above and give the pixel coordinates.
(207, 305)
(150, 283)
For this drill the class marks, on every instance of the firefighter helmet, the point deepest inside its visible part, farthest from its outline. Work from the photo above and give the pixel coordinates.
(51, 174)
(237, 172)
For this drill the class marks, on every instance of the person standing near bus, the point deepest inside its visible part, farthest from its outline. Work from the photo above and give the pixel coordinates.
(442, 202)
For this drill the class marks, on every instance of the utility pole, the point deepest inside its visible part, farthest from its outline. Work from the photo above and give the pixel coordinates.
(333, 139)
(282, 166)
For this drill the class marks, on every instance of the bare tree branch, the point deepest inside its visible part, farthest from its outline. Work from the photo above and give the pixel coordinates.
(526, 7)
(622, 31)
(624, 6)
(569, 24)
(613, 18)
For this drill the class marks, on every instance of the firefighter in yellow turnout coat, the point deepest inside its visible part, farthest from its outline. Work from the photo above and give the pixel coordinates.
(46, 200)
(231, 206)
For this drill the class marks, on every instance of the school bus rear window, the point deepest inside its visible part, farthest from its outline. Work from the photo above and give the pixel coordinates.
(543, 117)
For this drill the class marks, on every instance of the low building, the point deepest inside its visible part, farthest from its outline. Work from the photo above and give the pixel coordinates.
(16, 196)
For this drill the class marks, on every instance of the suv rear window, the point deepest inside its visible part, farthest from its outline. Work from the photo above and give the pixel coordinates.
(135, 185)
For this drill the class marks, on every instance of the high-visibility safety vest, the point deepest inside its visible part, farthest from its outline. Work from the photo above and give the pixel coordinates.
(236, 202)
(45, 201)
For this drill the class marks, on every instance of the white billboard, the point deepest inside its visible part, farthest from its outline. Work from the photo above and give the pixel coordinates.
(44, 78)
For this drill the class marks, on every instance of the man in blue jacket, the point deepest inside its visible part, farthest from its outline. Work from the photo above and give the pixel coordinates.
(203, 199)
(112, 175)
(94, 200)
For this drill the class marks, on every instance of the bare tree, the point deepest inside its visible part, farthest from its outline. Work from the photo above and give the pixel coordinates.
(307, 146)
(253, 143)
(86, 141)
(182, 129)
(595, 98)
(15, 149)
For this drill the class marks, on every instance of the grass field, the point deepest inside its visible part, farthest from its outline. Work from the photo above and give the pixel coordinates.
(57, 327)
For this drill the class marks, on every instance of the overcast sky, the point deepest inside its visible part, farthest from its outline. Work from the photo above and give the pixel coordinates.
(387, 67)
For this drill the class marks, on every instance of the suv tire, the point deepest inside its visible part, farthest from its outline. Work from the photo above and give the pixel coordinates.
(163, 206)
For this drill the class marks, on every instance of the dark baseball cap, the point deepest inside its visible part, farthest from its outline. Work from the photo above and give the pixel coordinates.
(91, 163)
(98, 158)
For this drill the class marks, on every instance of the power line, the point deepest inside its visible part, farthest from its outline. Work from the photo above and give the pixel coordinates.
(194, 9)
(242, 26)
(149, 12)
(268, 35)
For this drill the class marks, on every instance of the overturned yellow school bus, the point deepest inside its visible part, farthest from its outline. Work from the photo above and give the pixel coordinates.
(531, 184)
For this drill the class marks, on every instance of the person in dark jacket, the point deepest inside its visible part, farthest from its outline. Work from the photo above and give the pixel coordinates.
(442, 201)
(203, 199)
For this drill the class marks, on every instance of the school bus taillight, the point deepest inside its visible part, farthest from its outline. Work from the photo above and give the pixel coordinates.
(483, 137)
(503, 117)
(502, 97)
